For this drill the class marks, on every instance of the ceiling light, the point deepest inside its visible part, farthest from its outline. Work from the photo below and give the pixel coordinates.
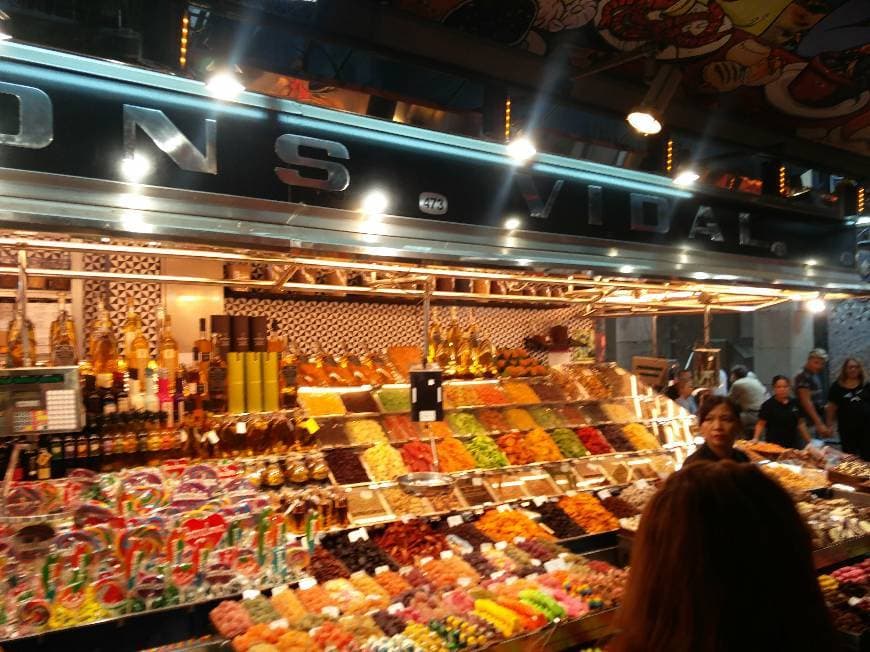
(135, 168)
(701, 276)
(863, 221)
(135, 222)
(375, 203)
(644, 122)
(523, 261)
(613, 253)
(224, 85)
(626, 269)
(512, 223)
(4, 35)
(816, 306)
(686, 177)
(521, 149)
(812, 262)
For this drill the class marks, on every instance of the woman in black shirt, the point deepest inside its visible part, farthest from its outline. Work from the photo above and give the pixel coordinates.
(780, 418)
(849, 406)
(719, 420)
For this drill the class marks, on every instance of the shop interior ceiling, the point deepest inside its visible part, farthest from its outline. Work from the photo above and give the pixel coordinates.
(756, 76)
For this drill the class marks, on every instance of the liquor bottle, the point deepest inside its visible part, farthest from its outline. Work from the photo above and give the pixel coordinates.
(120, 385)
(194, 387)
(108, 401)
(379, 366)
(434, 336)
(337, 375)
(91, 396)
(69, 451)
(307, 370)
(86, 372)
(144, 429)
(167, 349)
(107, 441)
(454, 341)
(354, 364)
(137, 351)
(177, 414)
(55, 447)
(275, 343)
(103, 345)
(63, 349)
(289, 379)
(464, 357)
(81, 459)
(43, 459)
(130, 437)
(29, 464)
(217, 379)
(204, 347)
(95, 445)
(21, 333)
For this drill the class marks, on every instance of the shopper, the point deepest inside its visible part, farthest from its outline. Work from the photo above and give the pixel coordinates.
(722, 562)
(849, 406)
(719, 419)
(684, 376)
(748, 394)
(780, 419)
(810, 395)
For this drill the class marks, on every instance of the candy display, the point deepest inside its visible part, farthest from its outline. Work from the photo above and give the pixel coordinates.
(403, 503)
(520, 419)
(456, 396)
(453, 456)
(434, 429)
(493, 420)
(359, 402)
(491, 394)
(855, 467)
(545, 417)
(394, 399)
(474, 491)
(364, 431)
(833, 520)
(568, 442)
(792, 481)
(542, 446)
(616, 438)
(619, 507)
(393, 583)
(505, 525)
(465, 424)
(361, 555)
(639, 437)
(588, 512)
(548, 392)
(324, 567)
(517, 363)
(384, 462)
(318, 404)
(345, 466)
(594, 441)
(618, 413)
(562, 525)
(572, 416)
(469, 533)
(514, 446)
(406, 542)
(520, 392)
(445, 502)
(399, 427)
(417, 456)
(486, 453)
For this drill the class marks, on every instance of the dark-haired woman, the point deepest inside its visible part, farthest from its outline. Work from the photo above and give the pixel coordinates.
(849, 406)
(780, 418)
(719, 419)
(705, 540)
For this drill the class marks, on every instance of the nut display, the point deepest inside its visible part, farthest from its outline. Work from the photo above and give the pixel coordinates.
(638, 495)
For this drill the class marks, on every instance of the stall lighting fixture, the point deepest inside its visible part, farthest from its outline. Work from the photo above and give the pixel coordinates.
(521, 150)
(4, 35)
(374, 203)
(860, 200)
(224, 85)
(686, 178)
(644, 122)
(646, 118)
(626, 269)
(816, 306)
(135, 167)
(512, 223)
(863, 221)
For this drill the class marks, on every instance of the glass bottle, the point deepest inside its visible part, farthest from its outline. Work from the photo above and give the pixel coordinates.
(337, 375)
(275, 343)
(434, 336)
(217, 379)
(63, 350)
(167, 350)
(203, 347)
(103, 345)
(20, 331)
(137, 351)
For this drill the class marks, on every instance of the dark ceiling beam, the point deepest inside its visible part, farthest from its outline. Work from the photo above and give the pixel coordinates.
(401, 35)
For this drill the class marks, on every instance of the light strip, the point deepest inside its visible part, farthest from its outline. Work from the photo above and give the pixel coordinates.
(182, 45)
(118, 78)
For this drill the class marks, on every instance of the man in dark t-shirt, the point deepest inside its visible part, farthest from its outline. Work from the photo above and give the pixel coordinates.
(810, 393)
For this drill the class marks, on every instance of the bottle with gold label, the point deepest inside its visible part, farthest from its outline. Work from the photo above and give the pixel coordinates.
(137, 351)
(167, 349)
(21, 335)
(63, 350)
(103, 345)
(435, 337)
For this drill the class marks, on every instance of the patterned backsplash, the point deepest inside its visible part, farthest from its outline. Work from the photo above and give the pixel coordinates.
(849, 333)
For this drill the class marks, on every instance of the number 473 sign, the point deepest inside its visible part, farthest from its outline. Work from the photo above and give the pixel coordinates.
(433, 203)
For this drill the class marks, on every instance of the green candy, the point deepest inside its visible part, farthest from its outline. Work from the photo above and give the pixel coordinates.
(545, 417)
(486, 452)
(465, 423)
(395, 400)
(568, 442)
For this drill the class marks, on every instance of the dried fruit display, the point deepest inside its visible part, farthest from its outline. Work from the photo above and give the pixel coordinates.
(384, 462)
(542, 446)
(506, 525)
(519, 392)
(588, 512)
(640, 437)
(453, 456)
(406, 542)
(486, 453)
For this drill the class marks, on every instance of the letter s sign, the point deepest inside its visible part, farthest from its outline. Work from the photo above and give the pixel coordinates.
(337, 176)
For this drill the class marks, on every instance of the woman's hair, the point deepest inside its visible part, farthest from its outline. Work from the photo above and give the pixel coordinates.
(710, 401)
(779, 377)
(861, 377)
(722, 562)
(739, 371)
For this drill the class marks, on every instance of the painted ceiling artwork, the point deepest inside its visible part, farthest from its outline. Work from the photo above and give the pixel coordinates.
(800, 64)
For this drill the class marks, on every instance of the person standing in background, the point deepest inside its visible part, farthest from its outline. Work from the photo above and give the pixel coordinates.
(748, 393)
(810, 394)
(672, 391)
(849, 406)
(780, 419)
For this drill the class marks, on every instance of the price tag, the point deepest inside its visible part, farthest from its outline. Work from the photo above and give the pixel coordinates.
(603, 494)
(539, 500)
(478, 511)
(404, 570)
(425, 560)
(504, 508)
(564, 468)
(366, 494)
(510, 580)
(182, 436)
(453, 521)
(485, 546)
(570, 493)
(536, 562)
(500, 545)
(281, 623)
(306, 583)
(525, 503)
(497, 575)
(278, 590)
(395, 608)
(212, 438)
(331, 612)
(464, 581)
(250, 594)
(241, 427)
(555, 565)
(380, 570)
(476, 482)
(405, 518)
(358, 535)
(641, 484)
(446, 554)
(310, 425)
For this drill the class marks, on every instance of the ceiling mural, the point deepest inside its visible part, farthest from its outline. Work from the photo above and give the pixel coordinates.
(800, 64)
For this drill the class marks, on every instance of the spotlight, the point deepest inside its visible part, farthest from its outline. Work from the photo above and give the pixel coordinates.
(375, 203)
(135, 168)
(512, 223)
(626, 269)
(521, 150)
(224, 85)
(686, 177)
(816, 306)
(644, 122)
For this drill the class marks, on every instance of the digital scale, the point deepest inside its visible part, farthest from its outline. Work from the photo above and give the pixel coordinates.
(40, 400)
